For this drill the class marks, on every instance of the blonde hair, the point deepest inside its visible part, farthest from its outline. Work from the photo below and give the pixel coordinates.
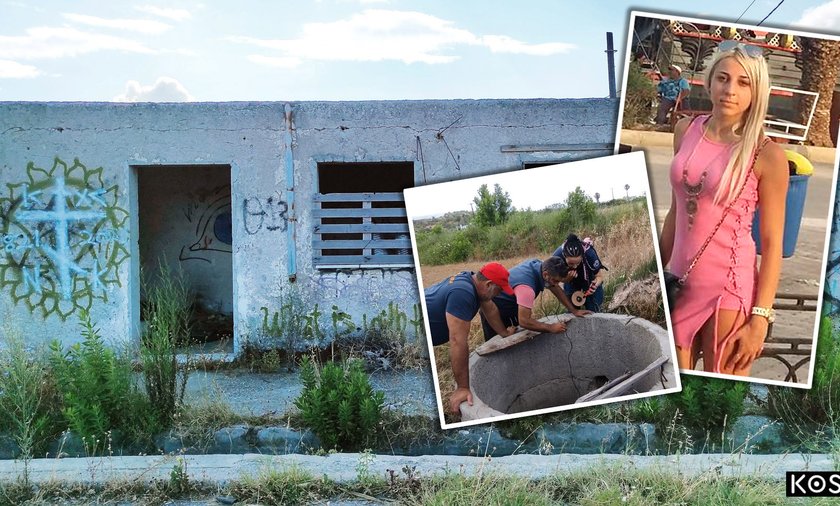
(750, 129)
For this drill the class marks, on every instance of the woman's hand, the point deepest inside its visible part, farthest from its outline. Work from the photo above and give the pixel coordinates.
(592, 287)
(748, 343)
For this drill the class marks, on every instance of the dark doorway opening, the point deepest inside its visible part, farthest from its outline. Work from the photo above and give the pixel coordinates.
(185, 229)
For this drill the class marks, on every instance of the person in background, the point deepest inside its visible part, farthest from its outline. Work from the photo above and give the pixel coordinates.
(672, 90)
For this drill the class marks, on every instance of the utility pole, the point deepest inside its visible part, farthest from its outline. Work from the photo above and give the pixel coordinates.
(611, 64)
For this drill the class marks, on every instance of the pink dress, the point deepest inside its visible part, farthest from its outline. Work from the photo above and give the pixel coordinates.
(725, 276)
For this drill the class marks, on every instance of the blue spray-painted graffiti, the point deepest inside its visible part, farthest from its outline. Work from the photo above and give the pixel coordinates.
(61, 238)
(213, 225)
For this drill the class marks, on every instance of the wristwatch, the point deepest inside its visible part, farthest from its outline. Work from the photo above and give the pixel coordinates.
(768, 313)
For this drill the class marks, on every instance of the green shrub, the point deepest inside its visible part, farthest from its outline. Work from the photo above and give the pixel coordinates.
(813, 415)
(638, 98)
(709, 404)
(98, 391)
(339, 405)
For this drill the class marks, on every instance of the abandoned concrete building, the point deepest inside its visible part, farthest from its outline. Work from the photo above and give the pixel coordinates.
(248, 199)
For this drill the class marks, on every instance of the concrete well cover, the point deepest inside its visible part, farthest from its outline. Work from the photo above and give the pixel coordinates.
(554, 370)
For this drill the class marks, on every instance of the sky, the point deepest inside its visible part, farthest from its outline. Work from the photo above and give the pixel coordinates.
(536, 188)
(191, 50)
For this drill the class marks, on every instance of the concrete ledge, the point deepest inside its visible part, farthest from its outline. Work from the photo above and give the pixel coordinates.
(642, 138)
(342, 467)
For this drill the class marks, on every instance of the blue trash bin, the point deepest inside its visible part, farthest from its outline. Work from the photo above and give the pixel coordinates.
(794, 206)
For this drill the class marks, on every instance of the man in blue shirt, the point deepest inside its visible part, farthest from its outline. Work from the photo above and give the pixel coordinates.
(582, 258)
(672, 90)
(450, 307)
(528, 280)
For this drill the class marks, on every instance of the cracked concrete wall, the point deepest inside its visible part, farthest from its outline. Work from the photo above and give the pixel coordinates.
(444, 139)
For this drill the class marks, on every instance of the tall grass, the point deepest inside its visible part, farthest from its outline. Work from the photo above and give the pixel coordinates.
(167, 313)
(25, 396)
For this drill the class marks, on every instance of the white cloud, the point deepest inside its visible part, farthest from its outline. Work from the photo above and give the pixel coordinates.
(284, 62)
(165, 12)
(50, 42)
(377, 35)
(826, 15)
(505, 44)
(13, 70)
(146, 26)
(165, 89)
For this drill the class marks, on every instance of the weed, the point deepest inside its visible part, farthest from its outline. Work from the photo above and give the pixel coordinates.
(25, 397)
(269, 361)
(288, 486)
(98, 391)
(168, 305)
(363, 474)
(294, 327)
(417, 323)
(648, 409)
(179, 480)
(384, 343)
(339, 404)
(167, 313)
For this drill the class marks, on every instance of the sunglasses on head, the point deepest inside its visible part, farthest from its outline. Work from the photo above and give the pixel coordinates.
(748, 49)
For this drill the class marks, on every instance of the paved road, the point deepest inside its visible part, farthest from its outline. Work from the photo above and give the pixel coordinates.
(801, 273)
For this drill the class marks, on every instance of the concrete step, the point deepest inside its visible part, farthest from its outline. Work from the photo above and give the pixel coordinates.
(343, 467)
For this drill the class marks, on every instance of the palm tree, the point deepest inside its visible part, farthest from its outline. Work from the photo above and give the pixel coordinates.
(627, 189)
(597, 198)
(820, 66)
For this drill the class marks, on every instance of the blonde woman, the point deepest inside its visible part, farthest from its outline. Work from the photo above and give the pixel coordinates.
(723, 168)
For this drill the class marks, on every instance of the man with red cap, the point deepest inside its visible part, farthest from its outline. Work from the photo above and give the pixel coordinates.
(450, 307)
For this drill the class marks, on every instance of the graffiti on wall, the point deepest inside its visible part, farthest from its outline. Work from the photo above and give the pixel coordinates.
(210, 213)
(62, 239)
(270, 214)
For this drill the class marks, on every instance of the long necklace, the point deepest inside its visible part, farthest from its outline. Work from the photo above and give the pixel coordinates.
(694, 190)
